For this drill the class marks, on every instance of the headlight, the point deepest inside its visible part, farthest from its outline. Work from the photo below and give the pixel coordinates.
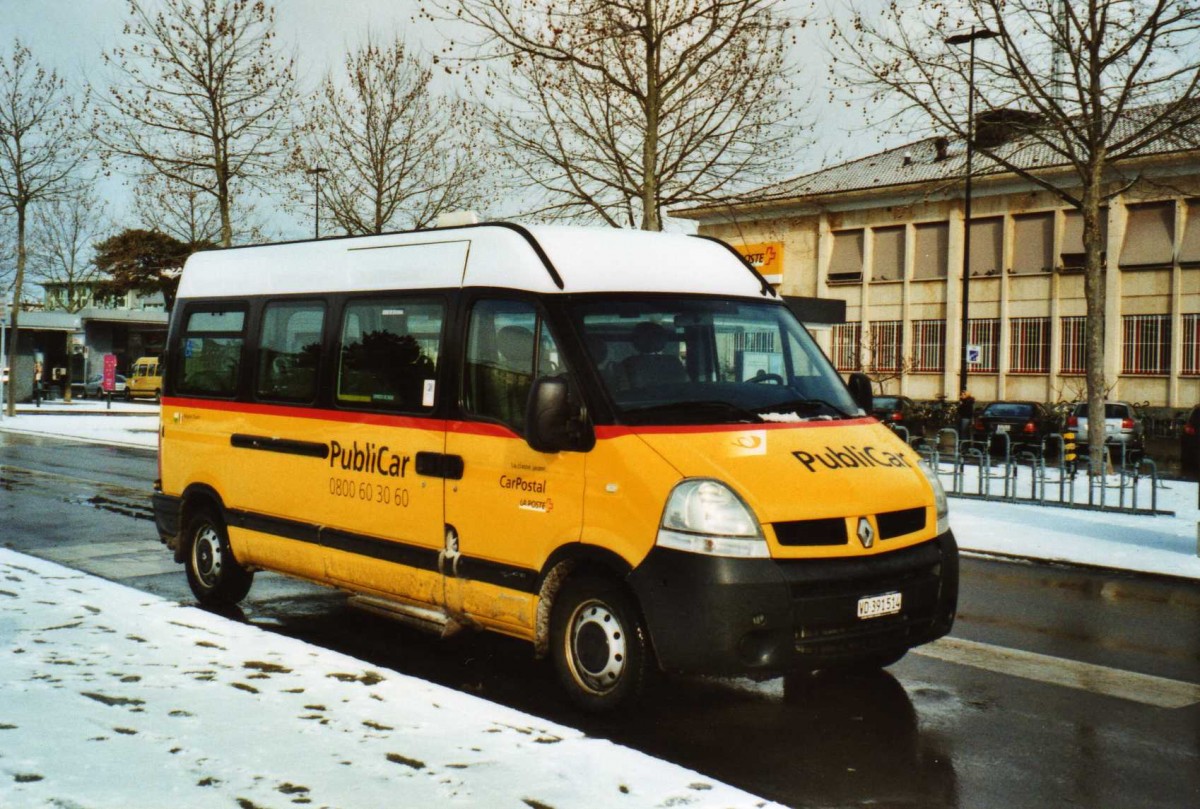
(706, 516)
(939, 498)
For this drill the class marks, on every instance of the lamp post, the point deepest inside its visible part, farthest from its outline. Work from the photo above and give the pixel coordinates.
(968, 38)
(315, 172)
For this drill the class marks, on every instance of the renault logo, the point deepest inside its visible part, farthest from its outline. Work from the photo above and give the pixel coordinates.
(866, 534)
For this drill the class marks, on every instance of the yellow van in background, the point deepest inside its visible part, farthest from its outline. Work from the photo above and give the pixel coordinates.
(144, 379)
(619, 446)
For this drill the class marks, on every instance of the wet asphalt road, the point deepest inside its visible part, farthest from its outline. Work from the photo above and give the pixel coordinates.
(976, 725)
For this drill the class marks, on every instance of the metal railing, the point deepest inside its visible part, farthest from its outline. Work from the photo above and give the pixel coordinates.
(1047, 473)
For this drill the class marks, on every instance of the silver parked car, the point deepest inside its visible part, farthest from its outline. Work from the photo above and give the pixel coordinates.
(1122, 425)
(94, 386)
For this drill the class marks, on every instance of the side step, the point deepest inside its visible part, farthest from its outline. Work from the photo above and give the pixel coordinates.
(426, 619)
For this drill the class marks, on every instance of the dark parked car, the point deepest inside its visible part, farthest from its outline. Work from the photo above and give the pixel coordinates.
(1025, 423)
(899, 411)
(94, 386)
(1189, 442)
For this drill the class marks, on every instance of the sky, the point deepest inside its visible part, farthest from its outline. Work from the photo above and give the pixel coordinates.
(70, 36)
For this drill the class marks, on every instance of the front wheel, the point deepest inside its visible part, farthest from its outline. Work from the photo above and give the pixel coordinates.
(213, 573)
(599, 644)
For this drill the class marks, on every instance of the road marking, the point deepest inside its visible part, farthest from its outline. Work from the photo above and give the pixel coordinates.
(1144, 688)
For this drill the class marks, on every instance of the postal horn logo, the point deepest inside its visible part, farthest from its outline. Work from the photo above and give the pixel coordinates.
(866, 534)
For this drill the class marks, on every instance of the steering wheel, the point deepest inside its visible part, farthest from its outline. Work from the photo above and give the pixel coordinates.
(774, 379)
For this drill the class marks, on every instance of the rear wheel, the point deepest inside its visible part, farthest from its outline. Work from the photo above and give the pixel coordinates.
(213, 573)
(599, 644)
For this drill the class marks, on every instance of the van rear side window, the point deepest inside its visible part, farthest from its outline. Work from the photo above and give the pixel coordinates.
(289, 351)
(211, 352)
(389, 353)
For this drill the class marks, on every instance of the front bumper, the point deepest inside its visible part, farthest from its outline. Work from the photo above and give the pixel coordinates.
(716, 615)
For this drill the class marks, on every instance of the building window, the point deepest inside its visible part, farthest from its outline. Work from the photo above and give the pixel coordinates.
(987, 240)
(1033, 243)
(887, 345)
(1073, 256)
(847, 337)
(888, 261)
(1191, 345)
(1189, 246)
(1029, 345)
(932, 250)
(929, 346)
(1146, 345)
(985, 333)
(1149, 236)
(846, 263)
(1073, 355)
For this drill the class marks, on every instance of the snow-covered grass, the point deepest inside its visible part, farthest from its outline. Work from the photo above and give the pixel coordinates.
(116, 698)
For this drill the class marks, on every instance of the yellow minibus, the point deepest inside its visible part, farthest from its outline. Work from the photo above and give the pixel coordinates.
(145, 379)
(621, 447)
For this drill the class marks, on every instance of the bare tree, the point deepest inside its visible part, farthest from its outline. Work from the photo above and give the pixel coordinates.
(1085, 86)
(40, 149)
(202, 97)
(396, 153)
(618, 109)
(180, 210)
(64, 233)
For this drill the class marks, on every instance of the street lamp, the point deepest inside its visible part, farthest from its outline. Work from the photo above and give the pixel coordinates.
(315, 172)
(968, 38)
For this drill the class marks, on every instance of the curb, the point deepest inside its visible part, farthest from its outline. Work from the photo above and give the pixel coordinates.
(1014, 558)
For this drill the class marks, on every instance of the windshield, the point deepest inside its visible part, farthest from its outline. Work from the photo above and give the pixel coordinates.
(706, 360)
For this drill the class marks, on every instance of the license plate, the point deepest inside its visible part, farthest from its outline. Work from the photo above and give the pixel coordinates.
(1002, 428)
(875, 606)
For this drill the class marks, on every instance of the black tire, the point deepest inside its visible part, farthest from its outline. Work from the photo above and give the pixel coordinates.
(213, 573)
(599, 644)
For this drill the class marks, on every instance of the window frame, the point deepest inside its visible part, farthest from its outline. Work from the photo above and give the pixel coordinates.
(179, 357)
(318, 377)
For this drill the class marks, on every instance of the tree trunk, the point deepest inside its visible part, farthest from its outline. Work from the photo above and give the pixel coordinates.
(650, 220)
(13, 330)
(1094, 293)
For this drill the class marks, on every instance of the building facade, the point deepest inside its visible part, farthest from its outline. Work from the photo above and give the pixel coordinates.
(886, 234)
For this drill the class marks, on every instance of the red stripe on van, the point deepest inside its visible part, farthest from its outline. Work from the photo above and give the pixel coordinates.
(618, 430)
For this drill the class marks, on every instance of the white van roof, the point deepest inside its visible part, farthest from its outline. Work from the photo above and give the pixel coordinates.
(536, 259)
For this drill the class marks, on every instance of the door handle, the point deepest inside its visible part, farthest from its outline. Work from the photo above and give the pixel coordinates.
(440, 465)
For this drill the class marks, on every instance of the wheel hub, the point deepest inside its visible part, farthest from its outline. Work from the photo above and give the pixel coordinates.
(598, 648)
(206, 553)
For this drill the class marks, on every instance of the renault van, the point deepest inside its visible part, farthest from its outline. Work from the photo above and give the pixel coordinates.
(621, 447)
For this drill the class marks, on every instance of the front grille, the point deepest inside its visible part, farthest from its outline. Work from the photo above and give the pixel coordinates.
(898, 523)
(830, 531)
(824, 606)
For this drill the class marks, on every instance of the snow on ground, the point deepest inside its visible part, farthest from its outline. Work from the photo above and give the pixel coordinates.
(116, 698)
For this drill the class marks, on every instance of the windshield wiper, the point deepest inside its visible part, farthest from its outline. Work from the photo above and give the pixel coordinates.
(696, 409)
(796, 405)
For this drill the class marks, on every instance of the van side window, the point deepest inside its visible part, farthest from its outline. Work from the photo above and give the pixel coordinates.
(210, 351)
(388, 354)
(507, 346)
(289, 351)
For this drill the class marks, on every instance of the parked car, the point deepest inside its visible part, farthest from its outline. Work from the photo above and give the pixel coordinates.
(94, 386)
(1122, 427)
(899, 411)
(1189, 442)
(1025, 423)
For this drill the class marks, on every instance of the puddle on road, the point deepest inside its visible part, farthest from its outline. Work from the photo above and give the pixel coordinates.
(107, 497)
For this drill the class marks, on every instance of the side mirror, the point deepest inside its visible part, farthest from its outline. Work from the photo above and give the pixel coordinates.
(860, 391)
(550, 423)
